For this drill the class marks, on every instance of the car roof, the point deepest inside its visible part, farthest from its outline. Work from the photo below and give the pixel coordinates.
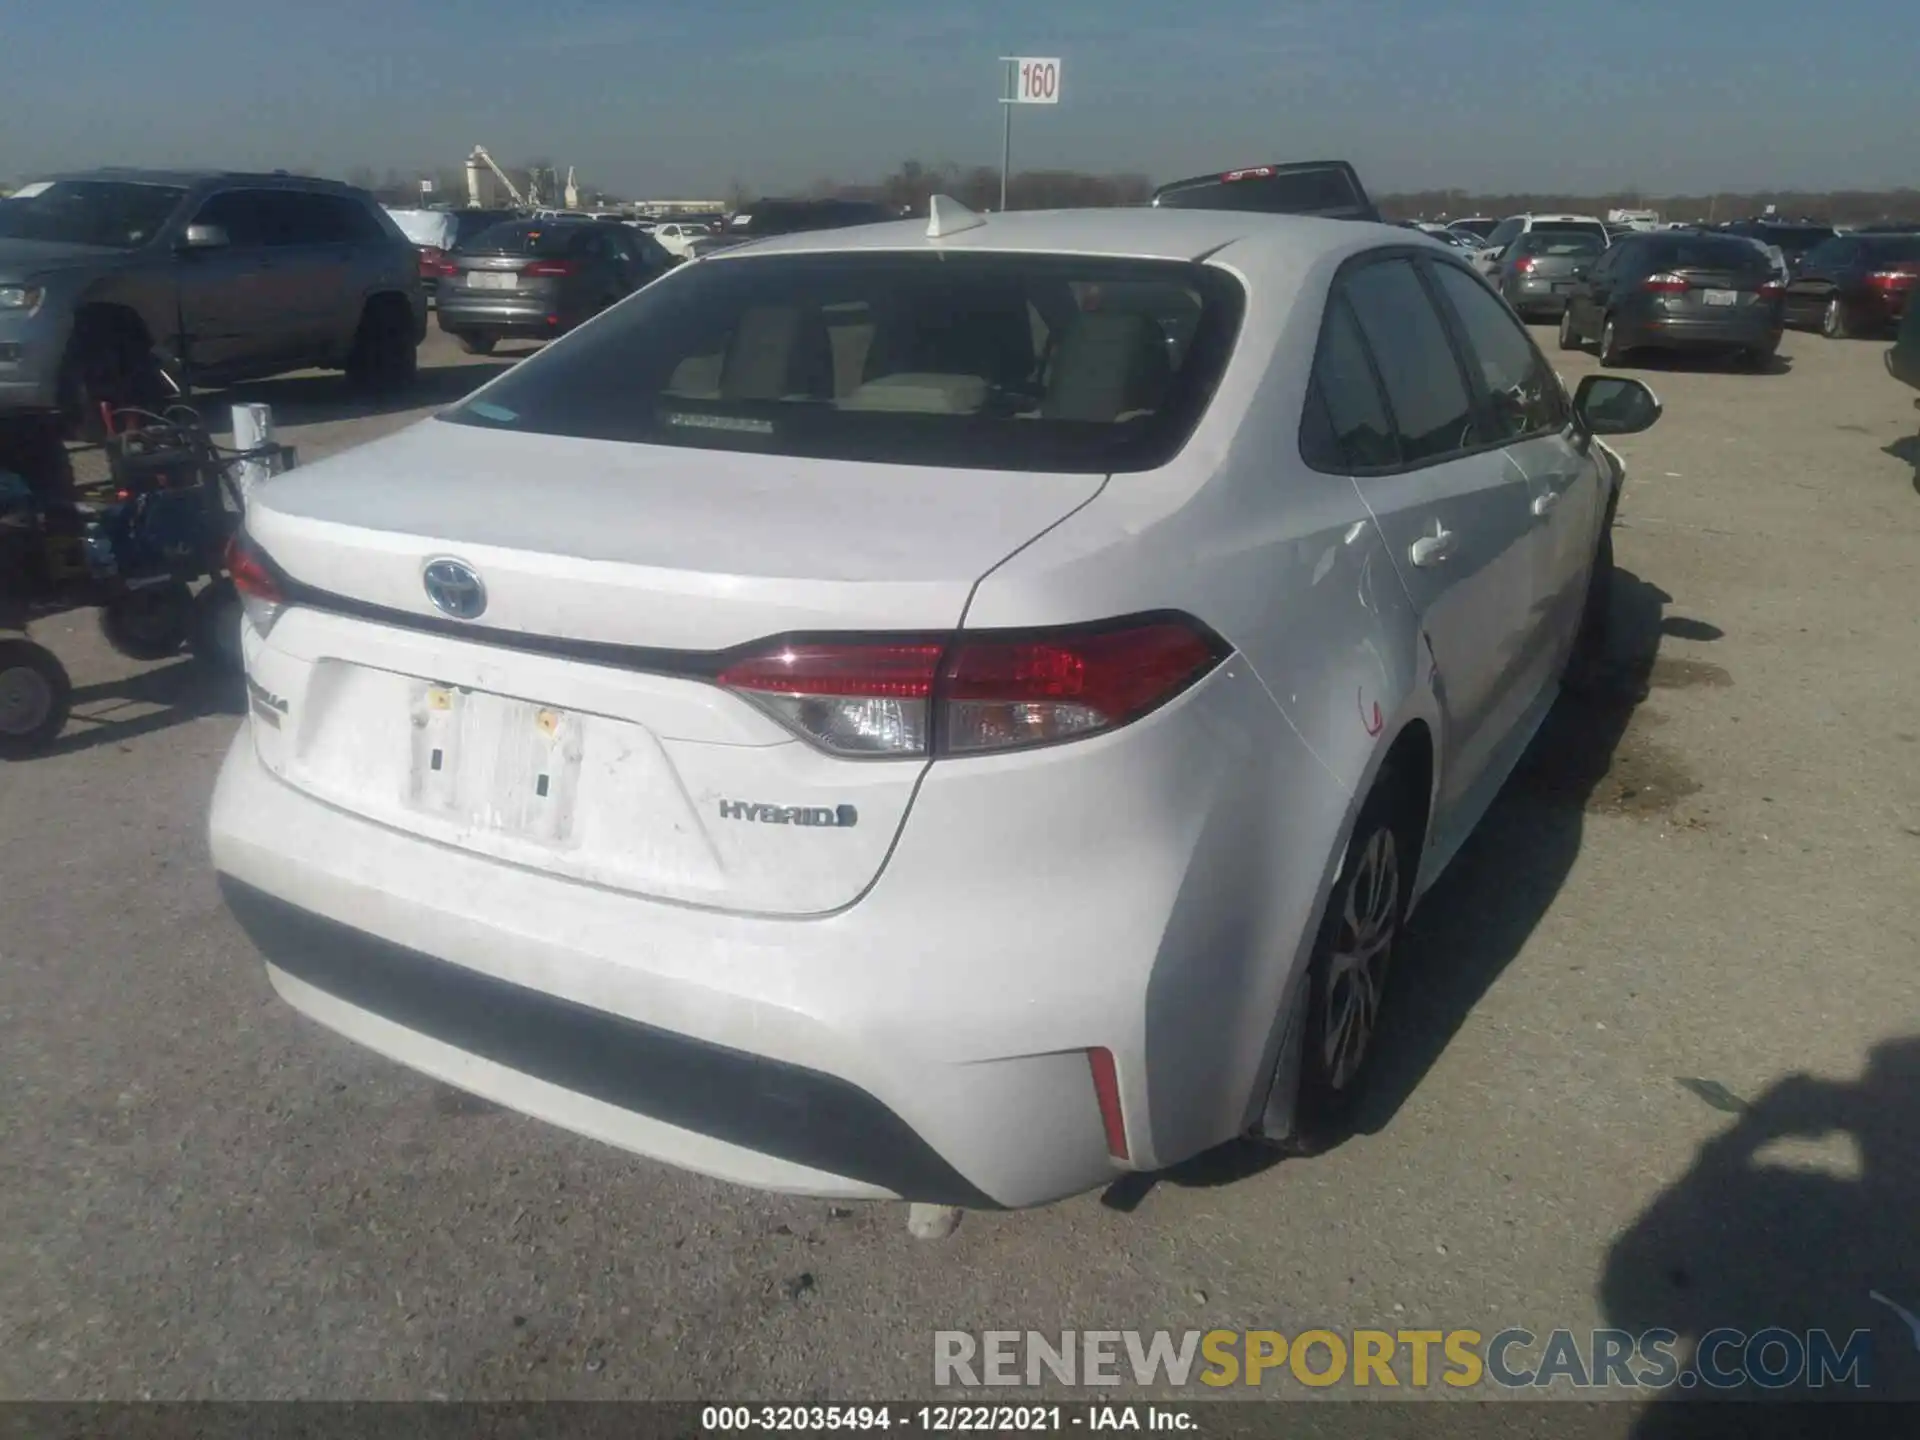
(187, 179)
(1141, 233)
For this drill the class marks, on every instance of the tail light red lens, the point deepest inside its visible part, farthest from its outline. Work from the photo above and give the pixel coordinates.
(974, 694)
(433, 262)
(260, 593)
(1771, 288)
(1523, 264)
(548, 269)
(1891, 279)
(1665, 284)
(1106, 1090)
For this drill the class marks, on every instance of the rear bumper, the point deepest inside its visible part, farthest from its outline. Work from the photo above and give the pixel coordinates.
(516, 317)
(1539, 297)
(928, 1042)
(1739, 329)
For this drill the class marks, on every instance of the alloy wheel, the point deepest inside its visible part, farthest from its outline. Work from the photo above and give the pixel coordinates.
(1362, 951)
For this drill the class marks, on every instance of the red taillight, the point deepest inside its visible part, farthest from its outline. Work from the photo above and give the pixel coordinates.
(548, 269)
(1523, 264)
(260, 593)
(1891, 279)
(1002, 694)
(433, 262)
(967, 695)
(1771, 288)
(1665, 284)
(1106, 1089)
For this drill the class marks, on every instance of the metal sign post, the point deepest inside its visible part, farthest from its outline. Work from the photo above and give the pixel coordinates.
(1029, 80)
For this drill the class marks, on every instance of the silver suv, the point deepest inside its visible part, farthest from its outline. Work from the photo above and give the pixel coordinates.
(110, 275)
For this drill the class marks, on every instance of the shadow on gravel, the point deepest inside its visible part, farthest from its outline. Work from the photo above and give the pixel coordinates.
(1798, 1217)
(1907, 450)
(1469, 928)
(116, 711)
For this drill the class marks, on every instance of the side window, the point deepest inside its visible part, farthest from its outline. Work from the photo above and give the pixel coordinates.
(351, 221)
(1404, 334)
(1345, 426)
(1517, 391)
(287, 218)
(233, 211)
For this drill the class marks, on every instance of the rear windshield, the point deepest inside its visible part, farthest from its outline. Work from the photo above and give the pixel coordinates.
(1300, 192)
(1006, 362)
(1570, 229)
(523, 237)
(1794, 239)
(1891, 247)
(1708, 252)
(1482, 228)
(1549, 241)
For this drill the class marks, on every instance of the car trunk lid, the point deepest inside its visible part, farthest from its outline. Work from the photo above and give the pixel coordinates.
(573, 724)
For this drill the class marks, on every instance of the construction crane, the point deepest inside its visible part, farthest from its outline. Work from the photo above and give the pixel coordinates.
(572, 193)
(476, 197)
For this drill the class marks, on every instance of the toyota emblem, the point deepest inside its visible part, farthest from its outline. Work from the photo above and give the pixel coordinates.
(454, 589)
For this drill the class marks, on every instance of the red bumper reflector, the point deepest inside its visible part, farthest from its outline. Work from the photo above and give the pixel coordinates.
(1106, 1086)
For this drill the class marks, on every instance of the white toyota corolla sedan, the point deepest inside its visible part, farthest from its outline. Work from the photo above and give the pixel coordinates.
(957, 710)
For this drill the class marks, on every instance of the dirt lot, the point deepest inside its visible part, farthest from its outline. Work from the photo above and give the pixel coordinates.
(1659, 1062)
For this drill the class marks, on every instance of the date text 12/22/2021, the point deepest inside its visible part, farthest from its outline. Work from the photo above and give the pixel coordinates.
(941, 1419)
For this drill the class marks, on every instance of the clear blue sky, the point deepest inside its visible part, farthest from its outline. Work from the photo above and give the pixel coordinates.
(653, 96)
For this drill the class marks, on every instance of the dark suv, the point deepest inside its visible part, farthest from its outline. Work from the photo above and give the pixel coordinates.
(1329, 188)
(108, 275)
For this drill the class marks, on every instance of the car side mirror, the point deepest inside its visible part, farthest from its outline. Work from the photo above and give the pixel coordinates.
(1615, 405)
(205, 237)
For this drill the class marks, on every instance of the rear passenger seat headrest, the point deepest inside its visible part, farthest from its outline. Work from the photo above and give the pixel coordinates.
(1108, 364)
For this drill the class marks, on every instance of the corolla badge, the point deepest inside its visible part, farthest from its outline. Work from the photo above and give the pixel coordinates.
(454, 589)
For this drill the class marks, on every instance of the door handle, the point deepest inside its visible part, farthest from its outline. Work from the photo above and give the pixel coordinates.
(1431, 549)
(1543, 504)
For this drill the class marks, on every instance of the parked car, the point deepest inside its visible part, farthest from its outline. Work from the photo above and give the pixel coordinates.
(1536, 274)
(1903, 359)
(1498, 241)
(1330, 188)
(1855, 284)
(1675, 290)
(1793, 239)
(435, 232)
(791, 217)
(537, 279)
(1435, 232)
(675, 236)
(108, 275)
(782, 729)
(1475, 227)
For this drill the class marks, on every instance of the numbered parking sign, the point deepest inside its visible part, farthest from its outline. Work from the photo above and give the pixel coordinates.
(1035, 81)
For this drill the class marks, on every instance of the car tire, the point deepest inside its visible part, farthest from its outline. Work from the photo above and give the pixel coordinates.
(151, 623)
(214, 629)
(1836, 323)
(109, 361)
(383, 360)
(1569, 337)
(35, 696)
(477, 342)
(1350, 969)
(1612, 352)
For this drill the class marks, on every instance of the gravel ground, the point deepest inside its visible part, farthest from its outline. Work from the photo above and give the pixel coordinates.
(1658, 1061)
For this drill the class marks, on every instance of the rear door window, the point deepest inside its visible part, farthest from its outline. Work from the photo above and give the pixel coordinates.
(1346, 426)
(981, 360)
(1409, 345)
(1518, 393)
